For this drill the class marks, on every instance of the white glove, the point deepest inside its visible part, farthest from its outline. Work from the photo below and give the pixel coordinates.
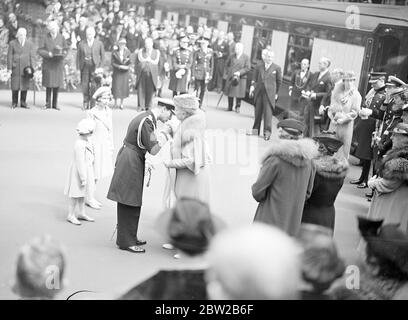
(321, 109)
(251, 91)
(372, 182)
(365, 112)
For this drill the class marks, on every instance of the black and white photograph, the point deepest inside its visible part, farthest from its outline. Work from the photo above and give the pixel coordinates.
(203, 150)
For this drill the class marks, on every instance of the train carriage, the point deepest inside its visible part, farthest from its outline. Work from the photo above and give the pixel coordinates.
(360, 37)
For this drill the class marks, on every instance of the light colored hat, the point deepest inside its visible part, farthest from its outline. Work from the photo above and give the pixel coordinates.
(85, 126)
(395, 82)
(186, 101)
(122, 40)
(348, 75)
(101, 91)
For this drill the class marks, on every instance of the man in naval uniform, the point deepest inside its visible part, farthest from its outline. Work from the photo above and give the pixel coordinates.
(128, 178)
(181, 61)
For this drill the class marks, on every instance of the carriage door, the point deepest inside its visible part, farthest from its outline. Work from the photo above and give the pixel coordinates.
(388, 47)
(247, 37)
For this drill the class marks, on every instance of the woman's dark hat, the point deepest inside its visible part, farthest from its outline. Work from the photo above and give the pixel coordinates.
(330, 141)
(386, 242)
(189, 225)
(292, 126)
(28, 72)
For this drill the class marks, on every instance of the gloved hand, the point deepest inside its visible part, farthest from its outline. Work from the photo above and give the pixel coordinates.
(372, 182)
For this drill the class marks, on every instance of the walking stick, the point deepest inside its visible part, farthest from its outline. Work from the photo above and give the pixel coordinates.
(34, 85)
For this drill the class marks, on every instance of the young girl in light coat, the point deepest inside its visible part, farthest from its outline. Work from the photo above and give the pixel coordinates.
(81, 173)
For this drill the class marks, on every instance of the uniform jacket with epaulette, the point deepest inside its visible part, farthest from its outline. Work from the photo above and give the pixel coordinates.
(203, 64)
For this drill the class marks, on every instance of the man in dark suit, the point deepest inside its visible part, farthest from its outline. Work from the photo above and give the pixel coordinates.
(300, 81)
(264, 88)
(320, 86)
(20, 55)
(53, 50)
(237, 66)
(90, 56)
(221, 54)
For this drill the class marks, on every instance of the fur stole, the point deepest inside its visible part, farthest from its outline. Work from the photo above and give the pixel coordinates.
(342, 101)
(189, 129)
(395, 165)
(330, 167)
(296, 152)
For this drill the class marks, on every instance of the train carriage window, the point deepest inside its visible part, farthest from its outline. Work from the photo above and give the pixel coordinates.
(299, 47)
(262, 38)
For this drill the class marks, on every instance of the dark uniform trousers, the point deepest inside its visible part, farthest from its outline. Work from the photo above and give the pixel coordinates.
(201, 87)
(263, 108)
(128, 223)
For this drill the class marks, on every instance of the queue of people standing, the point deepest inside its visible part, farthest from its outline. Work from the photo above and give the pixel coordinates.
(144, 53)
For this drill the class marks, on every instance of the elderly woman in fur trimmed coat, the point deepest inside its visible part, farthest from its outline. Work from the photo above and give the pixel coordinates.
(344, 108)
(390, 201)
(286, 177)
(190, 156)
(330, 173)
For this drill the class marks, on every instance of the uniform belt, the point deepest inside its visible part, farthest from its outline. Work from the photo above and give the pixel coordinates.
(130, 146)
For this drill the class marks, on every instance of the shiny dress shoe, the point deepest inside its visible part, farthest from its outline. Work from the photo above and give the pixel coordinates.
(369, 195)
(86, 218)
(168, 246)
(74, 221)
(140, 242)
(362, 185)
(56, 108)
(121, 107)
(133, 249)
(237, 110)
(267, 137)
(24, 105)
(357, 181)
(14, 105)
(46, 107)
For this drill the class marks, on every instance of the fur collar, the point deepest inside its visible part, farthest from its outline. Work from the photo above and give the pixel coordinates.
(395, 164)
(193, 126)
(296, 152)
(330, 167)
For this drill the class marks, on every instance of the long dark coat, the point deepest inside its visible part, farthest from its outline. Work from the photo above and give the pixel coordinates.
(271, 79)
(128, 178)
(181, 59)
(120, 78)
(365, 127)
(52, 67)
(18, 58)
(233, 65)
(146, 68)
(319, 208)
(284, 182)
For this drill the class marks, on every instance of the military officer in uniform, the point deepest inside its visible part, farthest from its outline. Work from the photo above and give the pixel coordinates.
(126, 187)
(181, 62)
(202, 68)
(365, 126)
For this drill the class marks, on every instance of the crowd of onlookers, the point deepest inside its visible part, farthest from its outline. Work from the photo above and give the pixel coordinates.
(248, 262)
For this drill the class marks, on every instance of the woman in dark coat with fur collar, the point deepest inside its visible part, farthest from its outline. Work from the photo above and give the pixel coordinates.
(330, 173)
